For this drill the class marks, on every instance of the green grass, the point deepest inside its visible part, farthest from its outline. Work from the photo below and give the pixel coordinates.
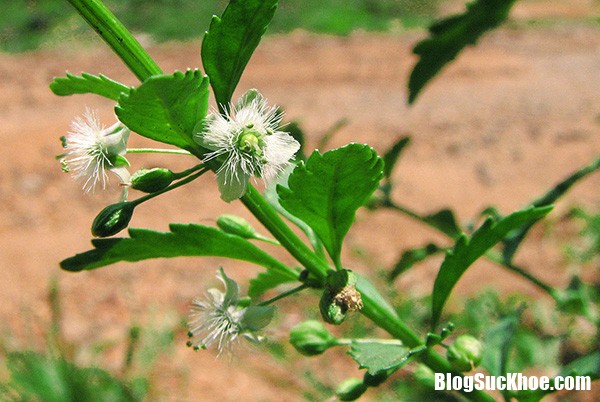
(29, 24)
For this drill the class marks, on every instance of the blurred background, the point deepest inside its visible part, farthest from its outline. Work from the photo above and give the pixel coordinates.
(506, 121)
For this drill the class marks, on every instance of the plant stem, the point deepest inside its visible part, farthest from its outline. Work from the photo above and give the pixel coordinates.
(261, 209)
(282, 295)
(120, 40)
(157, 151)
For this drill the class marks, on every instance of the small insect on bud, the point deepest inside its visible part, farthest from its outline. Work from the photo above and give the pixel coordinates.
(340, 296)
(466, 353)
(311, 338)
(151, 180)
(350, 389)
(235, 225)
(112, 219)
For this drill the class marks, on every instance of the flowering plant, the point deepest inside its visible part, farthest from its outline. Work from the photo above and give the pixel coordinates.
(319, 194)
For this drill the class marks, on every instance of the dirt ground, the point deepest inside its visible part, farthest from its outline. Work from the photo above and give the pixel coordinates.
(509, 119)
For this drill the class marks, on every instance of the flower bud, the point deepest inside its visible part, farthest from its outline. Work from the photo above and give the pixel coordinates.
(152, 180)
(340, 296)
(466, 353)
(311, 338)
(112, 219)
(350, 389)
(375, 380)
(235, 225)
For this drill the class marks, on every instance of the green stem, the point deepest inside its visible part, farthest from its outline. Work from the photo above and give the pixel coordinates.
(157, 151)
(104, 22)
(283, 295)
(369, 341)
(261, 209)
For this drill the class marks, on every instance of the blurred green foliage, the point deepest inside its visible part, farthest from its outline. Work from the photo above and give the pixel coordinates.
(29, 24)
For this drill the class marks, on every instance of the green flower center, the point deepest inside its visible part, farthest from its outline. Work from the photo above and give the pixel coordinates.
(251, 141)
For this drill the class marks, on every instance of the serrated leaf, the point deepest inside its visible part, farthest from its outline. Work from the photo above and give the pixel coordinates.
(265, 281)
(167, 108)
(512, 242)
(182, 240)
(450, 35)
(466, 251)
(412, 256)
(391, 156)
(445, 221)
(88, 84)
(327, 190)
(377, 357)
(230, 42)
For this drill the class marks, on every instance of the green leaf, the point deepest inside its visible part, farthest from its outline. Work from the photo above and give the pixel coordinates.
(183, 240)
(391, 156)
(466, 251)
(327, 190)
(167, 108)
(412, 256)
(377, 357)
(88, 84)
(230, 42)
(512, 242)
(450, 35)
(445, 221)
(498, 341)
(267, 280)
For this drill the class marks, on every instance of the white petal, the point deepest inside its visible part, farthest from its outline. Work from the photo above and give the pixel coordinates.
(232, 186)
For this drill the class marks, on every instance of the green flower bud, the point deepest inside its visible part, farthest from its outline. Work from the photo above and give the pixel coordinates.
(112, 219)
(340, 296)
(375, 380)
(350, 389)
(466, 353)
(311, 338)
(152, 180)
(235, 225)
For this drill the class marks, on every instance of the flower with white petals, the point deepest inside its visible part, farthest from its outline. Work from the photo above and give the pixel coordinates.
(222, 318)
(92, 149)
(248, 142)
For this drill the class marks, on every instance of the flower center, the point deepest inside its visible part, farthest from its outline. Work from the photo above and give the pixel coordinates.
(251, 141)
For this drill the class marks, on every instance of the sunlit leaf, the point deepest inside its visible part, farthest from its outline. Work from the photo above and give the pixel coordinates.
(182, 240)
(230, 42)
(327, 190)
(88, 83)
(167, 108)
(450, 35)
(377, 357)
(466, 251)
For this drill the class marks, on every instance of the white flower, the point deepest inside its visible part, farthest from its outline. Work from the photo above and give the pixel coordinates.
(92, 149)
(220, 318)
(248, 142)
